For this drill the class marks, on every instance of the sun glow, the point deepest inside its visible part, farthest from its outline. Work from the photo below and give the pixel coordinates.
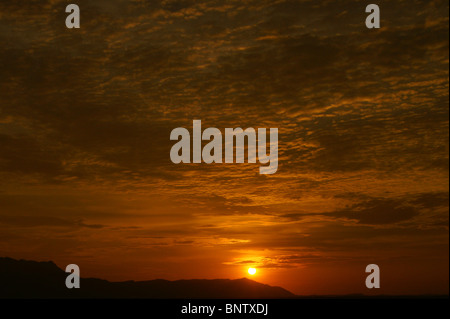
(252, 271)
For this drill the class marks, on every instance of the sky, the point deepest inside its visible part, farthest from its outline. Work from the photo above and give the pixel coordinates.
(362, 116)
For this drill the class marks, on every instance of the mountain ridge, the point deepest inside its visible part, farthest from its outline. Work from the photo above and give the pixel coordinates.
(44, 279)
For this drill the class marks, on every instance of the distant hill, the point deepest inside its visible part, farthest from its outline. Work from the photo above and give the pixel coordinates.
(31, 279)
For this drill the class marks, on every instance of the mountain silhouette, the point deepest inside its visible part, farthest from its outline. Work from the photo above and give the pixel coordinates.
(31, 279)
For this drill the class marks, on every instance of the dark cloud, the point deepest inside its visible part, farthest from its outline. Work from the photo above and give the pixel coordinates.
(44, 221)
(383, 211)
(432, 200)
(378, 212)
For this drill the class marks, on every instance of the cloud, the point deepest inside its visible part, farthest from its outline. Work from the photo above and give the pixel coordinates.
(432, 200)
(378, 212)
(45, 221)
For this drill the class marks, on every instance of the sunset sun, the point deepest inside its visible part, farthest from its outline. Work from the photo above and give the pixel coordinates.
(252, 271)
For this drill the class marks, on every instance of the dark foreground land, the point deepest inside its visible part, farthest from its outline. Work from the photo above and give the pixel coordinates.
(22, 279)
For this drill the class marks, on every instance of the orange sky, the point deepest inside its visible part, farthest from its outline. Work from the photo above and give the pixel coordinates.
(86, 116)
